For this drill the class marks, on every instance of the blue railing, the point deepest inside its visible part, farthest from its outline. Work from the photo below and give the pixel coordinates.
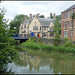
(18, 35)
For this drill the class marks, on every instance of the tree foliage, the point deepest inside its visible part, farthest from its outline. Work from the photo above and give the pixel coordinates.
(41, 16)
(51, 16)
(57, 30)
(59, 17)
(15, 23)
(7, 51)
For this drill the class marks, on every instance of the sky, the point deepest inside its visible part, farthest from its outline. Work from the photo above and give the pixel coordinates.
(33, 7)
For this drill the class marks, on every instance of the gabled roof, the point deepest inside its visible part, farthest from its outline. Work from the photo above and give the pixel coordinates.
(29, 20)
(45, 21)
(70, 8)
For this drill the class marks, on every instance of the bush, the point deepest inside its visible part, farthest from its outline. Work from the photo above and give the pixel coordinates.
(66, 39)
(67, 47)
(68, 44)
(7, 49)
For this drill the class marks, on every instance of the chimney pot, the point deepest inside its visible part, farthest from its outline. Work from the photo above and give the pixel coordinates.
(38, 15)
(30, 16)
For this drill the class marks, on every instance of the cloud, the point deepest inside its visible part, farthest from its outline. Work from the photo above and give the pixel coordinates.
(34, 7)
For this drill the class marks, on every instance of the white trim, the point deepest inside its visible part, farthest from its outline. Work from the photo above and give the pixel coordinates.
(65, 30)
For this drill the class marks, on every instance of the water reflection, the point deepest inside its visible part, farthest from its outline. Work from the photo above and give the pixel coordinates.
(30, 64)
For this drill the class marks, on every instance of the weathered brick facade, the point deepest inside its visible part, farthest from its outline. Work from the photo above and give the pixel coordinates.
(68, 27)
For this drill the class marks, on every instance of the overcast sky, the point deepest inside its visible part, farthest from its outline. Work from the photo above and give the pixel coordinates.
(34, 7)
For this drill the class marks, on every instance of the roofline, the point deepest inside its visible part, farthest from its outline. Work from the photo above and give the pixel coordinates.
(66, 10)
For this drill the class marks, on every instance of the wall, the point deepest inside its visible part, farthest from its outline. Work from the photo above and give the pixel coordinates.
(68, 29)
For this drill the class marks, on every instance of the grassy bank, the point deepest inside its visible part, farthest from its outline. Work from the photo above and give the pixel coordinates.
(67, 47)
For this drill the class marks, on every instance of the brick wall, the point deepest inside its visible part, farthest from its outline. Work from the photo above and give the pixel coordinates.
(63, 20)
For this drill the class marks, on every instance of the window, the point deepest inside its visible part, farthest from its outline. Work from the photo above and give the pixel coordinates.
(68, 23)
(22, 27)
(68, 14)
(25, 26)
(40, 28)
(65, 24)
(64, 15)
(44, 28)
(44, 34)
(23, 32)
(35, 23)
(72, 23)
(35, 28)
(72, 11)
(65, 34)
(71, 32)
(51, 29)
(51, 34)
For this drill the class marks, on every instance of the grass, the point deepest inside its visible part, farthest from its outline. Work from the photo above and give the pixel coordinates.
(67, 47)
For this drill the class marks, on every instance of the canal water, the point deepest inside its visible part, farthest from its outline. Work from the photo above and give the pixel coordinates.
(51, 63)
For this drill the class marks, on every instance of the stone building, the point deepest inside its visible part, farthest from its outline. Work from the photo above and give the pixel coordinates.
(37, 25)
(68, 23)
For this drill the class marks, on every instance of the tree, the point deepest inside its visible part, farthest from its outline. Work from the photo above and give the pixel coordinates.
(57, 30)
(15, 23)
(51, 16)
(41, 16)
(7, 48)
(59, 17)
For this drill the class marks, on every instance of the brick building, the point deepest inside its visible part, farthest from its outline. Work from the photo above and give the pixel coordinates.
(68, 23)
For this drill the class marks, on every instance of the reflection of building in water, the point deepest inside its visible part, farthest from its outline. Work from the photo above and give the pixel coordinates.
(24, 56)
(23, 59)
(35, 61)
(57, 65)
(31, 60)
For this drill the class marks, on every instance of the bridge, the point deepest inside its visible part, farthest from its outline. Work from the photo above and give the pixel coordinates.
(21, 37)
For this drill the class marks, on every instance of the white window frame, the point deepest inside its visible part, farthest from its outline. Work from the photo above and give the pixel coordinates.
(65, 34)
(71, 32)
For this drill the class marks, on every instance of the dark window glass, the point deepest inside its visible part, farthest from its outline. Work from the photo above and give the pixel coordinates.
(35, 28)
(65, 24)
(72, 23)
(68, 23)
(40, 27)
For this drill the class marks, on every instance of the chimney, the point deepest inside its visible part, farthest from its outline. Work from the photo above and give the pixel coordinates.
(30, 16)
(54, 16)
(38, 15)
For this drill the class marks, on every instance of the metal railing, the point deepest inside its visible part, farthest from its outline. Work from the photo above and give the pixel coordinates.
(18, 35)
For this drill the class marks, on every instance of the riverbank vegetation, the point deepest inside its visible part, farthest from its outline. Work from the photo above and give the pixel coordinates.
(67, 47)
(7, 48)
